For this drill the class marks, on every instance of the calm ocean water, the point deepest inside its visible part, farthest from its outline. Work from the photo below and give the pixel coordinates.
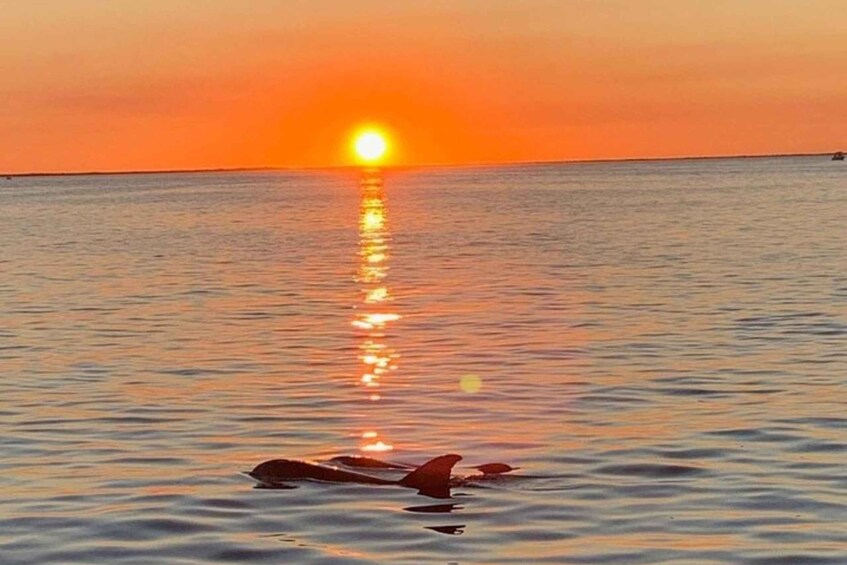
(660, 346)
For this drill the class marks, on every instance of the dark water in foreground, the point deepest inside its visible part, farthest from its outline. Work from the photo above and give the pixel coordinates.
(664, 345)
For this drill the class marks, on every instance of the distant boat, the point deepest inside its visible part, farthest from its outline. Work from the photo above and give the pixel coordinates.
(838, 156)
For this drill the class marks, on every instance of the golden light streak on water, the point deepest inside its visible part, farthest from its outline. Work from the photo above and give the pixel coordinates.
(377, 295)
(378, 446)
(376, 356)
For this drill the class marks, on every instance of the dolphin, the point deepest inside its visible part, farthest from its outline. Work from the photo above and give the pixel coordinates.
(495, 468)
(368, 462)
(430, 479)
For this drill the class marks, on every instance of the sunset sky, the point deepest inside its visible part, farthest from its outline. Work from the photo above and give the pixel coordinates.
(155, 84)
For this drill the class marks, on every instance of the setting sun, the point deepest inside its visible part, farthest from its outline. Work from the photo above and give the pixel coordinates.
(370, 145)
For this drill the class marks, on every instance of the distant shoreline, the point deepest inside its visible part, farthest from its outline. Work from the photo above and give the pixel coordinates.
(407, 167)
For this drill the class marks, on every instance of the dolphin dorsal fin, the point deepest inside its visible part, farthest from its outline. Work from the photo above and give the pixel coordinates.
(433, 477)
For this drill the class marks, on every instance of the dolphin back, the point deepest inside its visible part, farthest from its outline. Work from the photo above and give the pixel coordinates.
(433, 477)
(278, 470)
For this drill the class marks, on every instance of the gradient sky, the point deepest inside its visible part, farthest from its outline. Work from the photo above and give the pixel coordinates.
(160, 84)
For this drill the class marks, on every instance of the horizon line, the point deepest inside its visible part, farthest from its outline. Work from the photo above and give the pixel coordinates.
(408, 167)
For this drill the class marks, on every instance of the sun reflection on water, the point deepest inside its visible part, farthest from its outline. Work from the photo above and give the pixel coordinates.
(374, 312)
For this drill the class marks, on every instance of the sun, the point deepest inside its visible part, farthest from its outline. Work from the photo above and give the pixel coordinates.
(370, 145)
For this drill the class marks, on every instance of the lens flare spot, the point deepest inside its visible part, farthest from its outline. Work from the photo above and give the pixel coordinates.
(470, 383)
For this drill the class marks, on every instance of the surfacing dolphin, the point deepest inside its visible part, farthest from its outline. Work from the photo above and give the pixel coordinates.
(430, 479)
(368, 462)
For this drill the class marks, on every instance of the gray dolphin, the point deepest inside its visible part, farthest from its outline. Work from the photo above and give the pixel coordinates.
(430, 479)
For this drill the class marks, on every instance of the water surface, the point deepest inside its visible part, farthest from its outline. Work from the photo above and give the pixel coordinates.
(662, 345)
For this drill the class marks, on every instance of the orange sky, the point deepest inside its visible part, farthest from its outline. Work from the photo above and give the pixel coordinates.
(150, 84)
